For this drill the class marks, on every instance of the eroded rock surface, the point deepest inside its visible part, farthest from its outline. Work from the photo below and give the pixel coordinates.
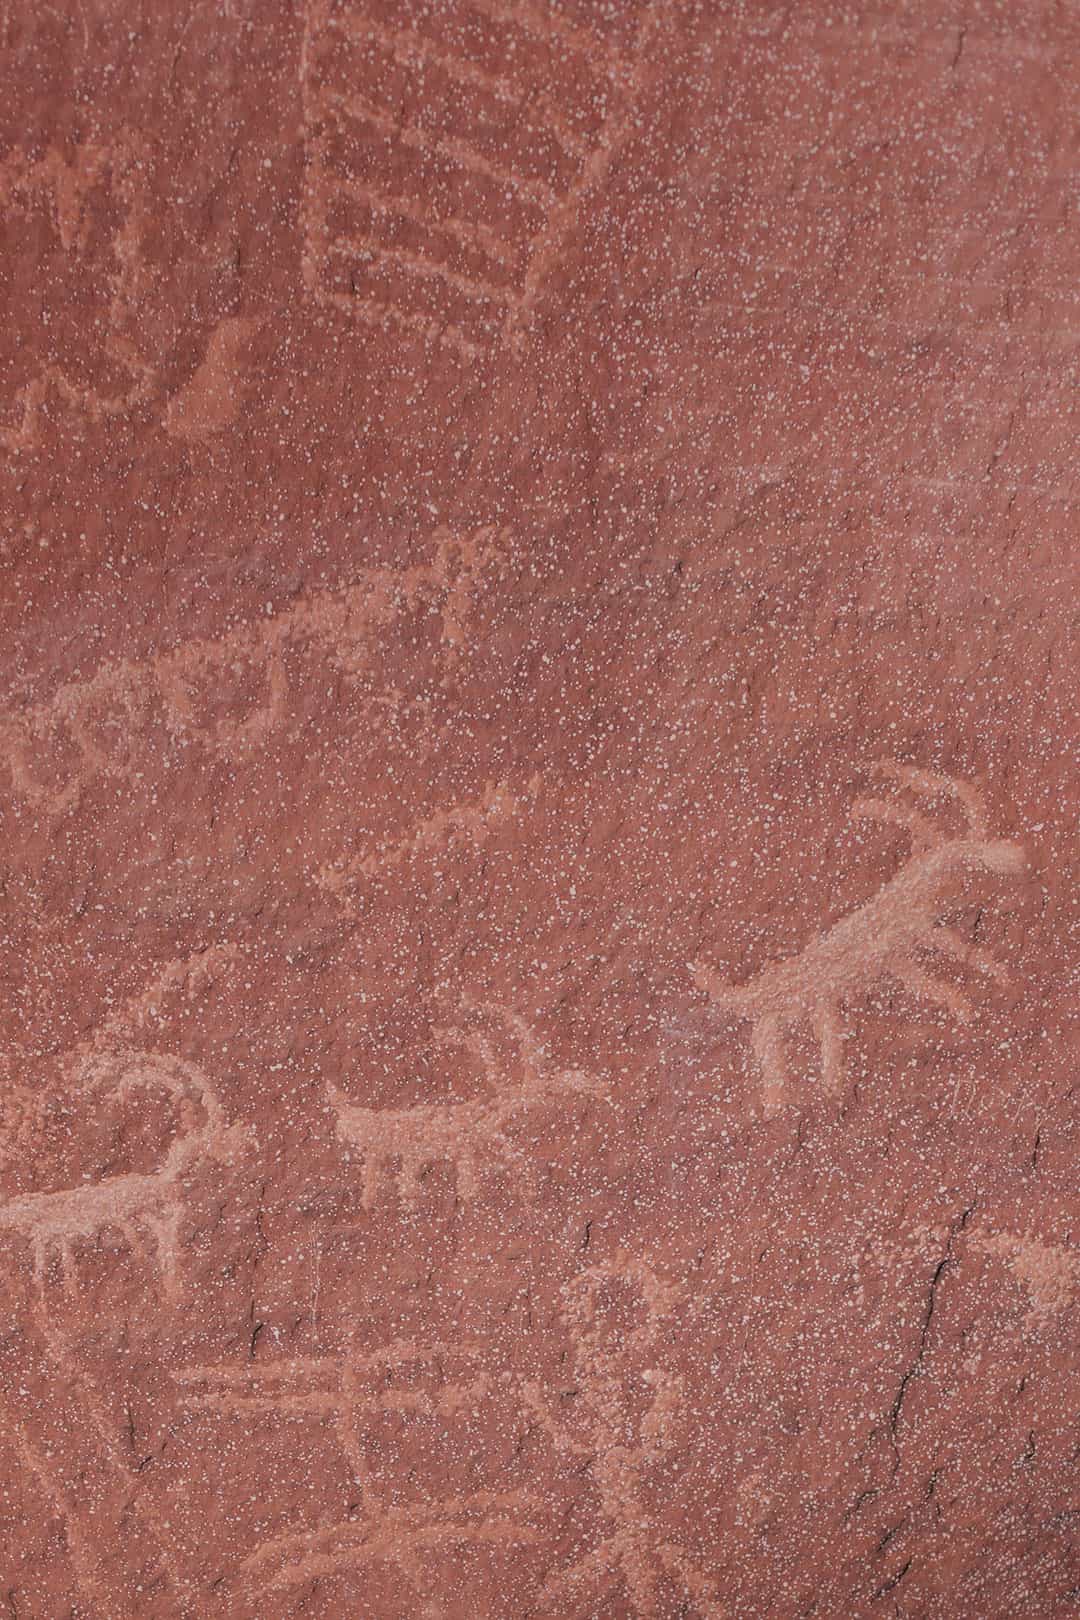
(538, 800)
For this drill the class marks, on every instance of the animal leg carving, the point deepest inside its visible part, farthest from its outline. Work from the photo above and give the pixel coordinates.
(944, 995)
(370, 1183)
(67, 1269)
(414, 1167)
(953, 943)
(831, 1041)
(767, 1044)
(163, 1229)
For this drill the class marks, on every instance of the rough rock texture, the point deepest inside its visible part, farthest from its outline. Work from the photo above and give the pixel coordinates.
(537, 810)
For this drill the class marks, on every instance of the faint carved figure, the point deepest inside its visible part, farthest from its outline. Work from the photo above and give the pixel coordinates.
(473, 820)
(97, 727)
(209, 402)
(137, 1203)
(515, 117)
(467, 1134)
(184, 977)
(104, 1527)
(121, 376)
(625, 1418)
(354, 1391)
(879, 941)
(407, 1536)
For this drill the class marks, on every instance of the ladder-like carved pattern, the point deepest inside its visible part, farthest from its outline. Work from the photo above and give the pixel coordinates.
(445, 222)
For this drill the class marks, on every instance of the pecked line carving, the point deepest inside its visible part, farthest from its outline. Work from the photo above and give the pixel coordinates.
(438, 1382)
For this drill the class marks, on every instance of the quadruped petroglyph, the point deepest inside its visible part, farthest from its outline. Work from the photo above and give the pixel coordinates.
(878, 942)
(96, 728)
(517, 114)
(626, 1417)
(139, 1205)
(438, 1381)
(402, 1143)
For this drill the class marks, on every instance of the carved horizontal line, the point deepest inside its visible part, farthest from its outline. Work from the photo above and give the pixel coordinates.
(477, 237)
(325, 1401)
(409, 48)
(356, 105)
(548, 24)
(377, 313)
(482, 291)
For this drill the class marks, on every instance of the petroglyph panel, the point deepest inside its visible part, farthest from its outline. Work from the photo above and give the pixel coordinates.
(443, 223)
(481, 483)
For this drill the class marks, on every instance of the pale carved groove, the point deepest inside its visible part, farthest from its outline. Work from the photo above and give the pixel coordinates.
(353, 1392)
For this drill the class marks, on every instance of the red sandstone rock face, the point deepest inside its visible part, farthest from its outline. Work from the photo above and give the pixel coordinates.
(538, 814)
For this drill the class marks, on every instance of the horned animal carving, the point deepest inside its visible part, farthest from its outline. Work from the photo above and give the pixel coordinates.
(135, 1203)
(879, 941)
(468, 1135)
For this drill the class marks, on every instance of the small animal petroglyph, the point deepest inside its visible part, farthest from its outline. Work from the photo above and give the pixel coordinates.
(878, 942)
(505, 146)
(136, 1203)
(467, 1134)
(624, 1434)
(183, 977)
(355, 1391)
